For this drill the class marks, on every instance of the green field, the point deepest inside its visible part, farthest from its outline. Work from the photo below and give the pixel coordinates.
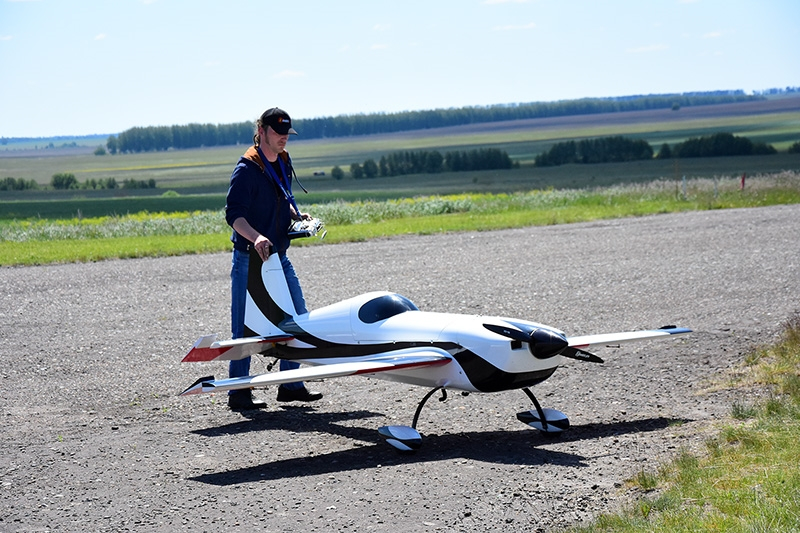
(191, 184)
(81, 238)
(196, 180)
(201, 171)
(81, 203)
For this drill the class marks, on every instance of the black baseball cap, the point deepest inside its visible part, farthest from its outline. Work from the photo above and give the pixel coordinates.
(279, 120)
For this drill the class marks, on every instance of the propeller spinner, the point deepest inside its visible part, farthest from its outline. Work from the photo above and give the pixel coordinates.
(543, 343)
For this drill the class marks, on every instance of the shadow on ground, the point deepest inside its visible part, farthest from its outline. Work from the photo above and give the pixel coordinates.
(524, 447)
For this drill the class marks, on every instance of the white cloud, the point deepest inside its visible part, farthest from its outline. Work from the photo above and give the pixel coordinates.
(495, 2)
(100, 36)
(5, 37)
(378, 47)
(712, 35)
(515, 27)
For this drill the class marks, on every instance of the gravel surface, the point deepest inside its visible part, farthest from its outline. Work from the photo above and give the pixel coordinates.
(94, 436)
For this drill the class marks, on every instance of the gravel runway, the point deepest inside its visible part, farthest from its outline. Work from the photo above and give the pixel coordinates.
(95, 438)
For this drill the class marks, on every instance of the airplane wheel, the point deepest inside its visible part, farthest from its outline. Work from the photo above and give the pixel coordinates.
(555, 421)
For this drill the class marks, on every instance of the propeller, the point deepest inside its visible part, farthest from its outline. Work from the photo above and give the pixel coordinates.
(543, 343)
(580, 355)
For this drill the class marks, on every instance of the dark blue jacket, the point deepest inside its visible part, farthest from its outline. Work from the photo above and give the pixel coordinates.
(254, 195)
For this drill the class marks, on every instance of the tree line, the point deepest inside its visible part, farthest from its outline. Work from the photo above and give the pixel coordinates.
(154, 138)
(716, 145)
(158, 138)
(620, 149)
(600, 150)
(68, 181)
(428, 162)
(17, 184)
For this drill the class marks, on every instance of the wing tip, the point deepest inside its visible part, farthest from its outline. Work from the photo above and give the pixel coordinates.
(675, 330)
(197, 386)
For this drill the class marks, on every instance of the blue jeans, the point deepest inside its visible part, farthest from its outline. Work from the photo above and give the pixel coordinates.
(239, 268)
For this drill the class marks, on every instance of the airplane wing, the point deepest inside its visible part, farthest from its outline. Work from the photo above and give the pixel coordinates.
(605, 339)
(373, 365)
(207, 348)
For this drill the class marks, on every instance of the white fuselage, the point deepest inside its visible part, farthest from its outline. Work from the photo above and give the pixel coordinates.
(339, 330)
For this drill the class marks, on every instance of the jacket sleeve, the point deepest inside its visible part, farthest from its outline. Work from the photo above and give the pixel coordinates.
(237, 203)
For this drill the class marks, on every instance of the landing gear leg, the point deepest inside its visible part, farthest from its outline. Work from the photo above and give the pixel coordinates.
(405, 438)
(548, 421)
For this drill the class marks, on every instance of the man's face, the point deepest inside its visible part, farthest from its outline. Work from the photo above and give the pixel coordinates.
(275, 141)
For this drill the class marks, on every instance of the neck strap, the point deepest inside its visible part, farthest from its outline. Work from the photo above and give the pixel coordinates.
(282, 182)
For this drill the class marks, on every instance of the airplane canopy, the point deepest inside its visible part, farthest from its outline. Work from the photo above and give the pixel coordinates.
(383, 307)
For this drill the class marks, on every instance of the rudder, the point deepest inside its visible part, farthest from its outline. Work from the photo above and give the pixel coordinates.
(269, 301)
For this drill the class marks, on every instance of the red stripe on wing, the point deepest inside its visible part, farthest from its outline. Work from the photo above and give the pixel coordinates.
(205, 354)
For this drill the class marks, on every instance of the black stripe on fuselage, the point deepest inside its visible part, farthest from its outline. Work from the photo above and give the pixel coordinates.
(488, 378)
(329, 350)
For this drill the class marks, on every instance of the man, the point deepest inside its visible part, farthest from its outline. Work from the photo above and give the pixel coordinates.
(260, 207)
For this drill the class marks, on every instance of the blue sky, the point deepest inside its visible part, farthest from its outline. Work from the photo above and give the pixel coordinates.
(80, 67)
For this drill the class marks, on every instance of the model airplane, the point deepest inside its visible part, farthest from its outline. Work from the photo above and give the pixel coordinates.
(383, 335)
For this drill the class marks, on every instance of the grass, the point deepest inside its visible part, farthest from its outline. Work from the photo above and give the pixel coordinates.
(42, 241)
(83, 250)
(748, 479)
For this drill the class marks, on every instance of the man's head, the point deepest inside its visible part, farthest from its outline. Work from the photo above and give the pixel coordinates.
(277, 119)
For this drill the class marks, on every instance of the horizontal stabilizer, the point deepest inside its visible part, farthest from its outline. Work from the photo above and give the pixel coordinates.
(207, 348)
(606, 339)
(371, 366)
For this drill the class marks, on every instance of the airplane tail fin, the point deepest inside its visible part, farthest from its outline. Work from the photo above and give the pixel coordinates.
(269, 302)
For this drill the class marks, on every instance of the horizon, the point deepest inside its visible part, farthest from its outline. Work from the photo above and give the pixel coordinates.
(796, 90)
(145, 63)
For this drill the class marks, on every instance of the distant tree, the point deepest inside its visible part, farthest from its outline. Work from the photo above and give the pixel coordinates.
(795, 148)
(370, 169)
(337, 173)
(665, 152)
(676, 106)
(434, 162)
(356, 171)
(63, 181)
(100, 150)
(721, 144)
(600, 150)
(139, 184)
(112, 145)
(17, 184)
(561, 153)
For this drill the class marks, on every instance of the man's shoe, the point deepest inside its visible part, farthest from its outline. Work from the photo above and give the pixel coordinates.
(243, 401)
(297, 395)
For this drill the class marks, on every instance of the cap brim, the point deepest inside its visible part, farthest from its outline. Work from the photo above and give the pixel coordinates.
(287, 132)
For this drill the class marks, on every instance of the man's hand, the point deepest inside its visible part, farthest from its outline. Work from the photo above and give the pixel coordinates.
(263, 247)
